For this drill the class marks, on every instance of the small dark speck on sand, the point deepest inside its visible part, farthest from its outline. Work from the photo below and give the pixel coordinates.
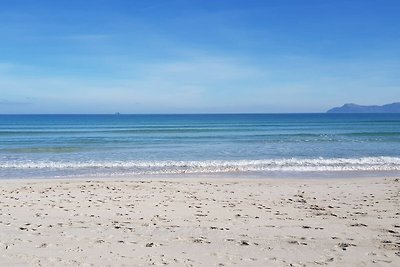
(244, 243)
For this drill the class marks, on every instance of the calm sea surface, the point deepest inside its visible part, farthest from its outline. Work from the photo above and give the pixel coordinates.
(102, 145)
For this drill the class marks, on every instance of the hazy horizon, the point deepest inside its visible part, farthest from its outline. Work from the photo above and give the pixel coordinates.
(197, 57)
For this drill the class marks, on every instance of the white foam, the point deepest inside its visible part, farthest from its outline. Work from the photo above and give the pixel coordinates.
(159, 167)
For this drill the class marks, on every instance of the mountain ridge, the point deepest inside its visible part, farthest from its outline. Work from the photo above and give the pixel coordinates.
(354, 108)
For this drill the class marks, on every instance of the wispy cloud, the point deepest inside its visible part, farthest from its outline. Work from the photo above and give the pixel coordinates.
(13, 67)
(198, 82)
(176, 85)
(205, 69)
(85, 37)
(5, 102)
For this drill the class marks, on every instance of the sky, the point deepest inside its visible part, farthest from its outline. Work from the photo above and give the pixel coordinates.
(205, 56)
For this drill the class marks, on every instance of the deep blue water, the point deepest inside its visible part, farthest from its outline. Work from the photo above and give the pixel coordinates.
(59, 145)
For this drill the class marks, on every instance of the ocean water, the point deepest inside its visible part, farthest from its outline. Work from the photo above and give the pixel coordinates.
(108, 145)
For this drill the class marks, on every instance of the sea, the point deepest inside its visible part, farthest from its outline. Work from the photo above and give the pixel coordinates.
(254, 145)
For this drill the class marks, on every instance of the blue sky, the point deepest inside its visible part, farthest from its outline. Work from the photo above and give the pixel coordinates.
(160, 56)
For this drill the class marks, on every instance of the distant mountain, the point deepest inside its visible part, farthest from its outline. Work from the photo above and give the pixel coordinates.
(353, 108)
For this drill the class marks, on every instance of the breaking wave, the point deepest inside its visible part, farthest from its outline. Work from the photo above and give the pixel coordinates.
(212, 166)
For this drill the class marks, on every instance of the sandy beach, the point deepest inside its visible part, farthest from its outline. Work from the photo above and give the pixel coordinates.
(200, 222)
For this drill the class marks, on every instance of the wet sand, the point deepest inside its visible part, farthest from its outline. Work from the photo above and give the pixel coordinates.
(200, 222)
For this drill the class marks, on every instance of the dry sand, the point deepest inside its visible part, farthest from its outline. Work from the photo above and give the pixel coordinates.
(200, 222)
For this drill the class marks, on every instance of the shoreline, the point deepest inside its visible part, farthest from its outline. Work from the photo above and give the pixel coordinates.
(200, 222)
(241, 175)
(199, 178)
(270, 168)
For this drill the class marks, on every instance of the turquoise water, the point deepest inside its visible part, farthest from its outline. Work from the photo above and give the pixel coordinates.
(101, 145)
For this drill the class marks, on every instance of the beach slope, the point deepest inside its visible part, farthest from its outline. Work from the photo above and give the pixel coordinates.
(200, 222)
